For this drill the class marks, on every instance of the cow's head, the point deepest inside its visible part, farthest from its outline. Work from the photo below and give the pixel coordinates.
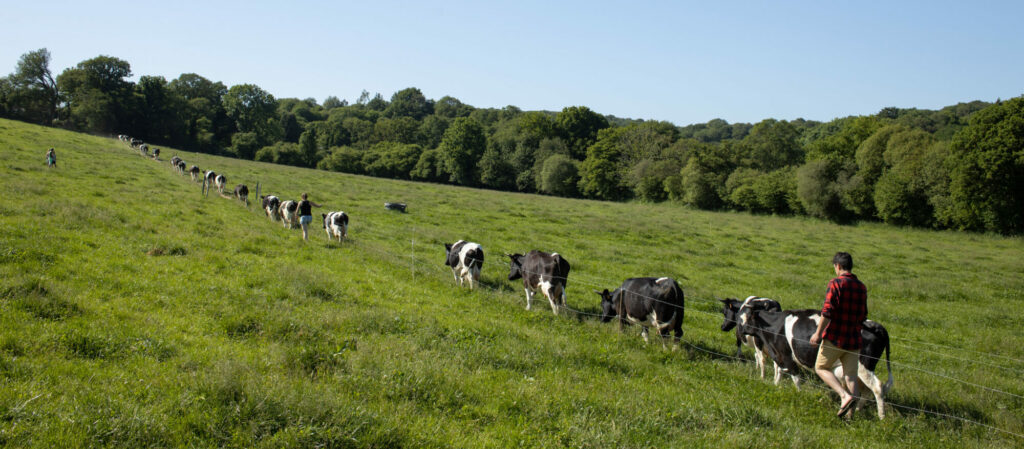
(730, 310)
(324, 220)
(447, 252)
(515, 269)
(608, 310)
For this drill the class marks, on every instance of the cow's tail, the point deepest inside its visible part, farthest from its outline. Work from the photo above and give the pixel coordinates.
(888, 367)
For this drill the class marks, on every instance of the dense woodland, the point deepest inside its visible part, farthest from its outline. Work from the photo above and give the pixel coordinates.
(961, 167)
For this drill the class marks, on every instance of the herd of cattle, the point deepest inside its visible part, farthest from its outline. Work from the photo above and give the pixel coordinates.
(652, 303)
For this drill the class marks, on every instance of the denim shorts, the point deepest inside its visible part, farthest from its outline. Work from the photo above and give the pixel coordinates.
(306, 219)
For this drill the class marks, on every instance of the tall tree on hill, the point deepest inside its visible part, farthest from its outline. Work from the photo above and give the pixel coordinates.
(34, 93)
(97, 94)
(579, 126)
(253, 110)
(986, 189)
(461, 147)
(157, 114)
(409, 102)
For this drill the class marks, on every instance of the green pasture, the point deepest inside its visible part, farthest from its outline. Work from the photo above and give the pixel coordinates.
(134, 312)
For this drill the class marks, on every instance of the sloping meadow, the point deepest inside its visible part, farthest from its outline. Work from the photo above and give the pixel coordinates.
(135, 312)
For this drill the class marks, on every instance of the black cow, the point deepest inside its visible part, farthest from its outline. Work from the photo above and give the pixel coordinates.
(737, 315)
(541, 271)
(242, 193)
(466, 259)
(156, 153)
(786, 336)
(649, 302)
(271, 205)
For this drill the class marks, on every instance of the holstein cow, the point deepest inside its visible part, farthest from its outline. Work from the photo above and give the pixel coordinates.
(220, 181)
(336, 225)
(194, 171)
(156, 153)
(174, 161)
(737, 315)
(786, 336)
(181, 167)
(289, 213)
(144, 149)
(649, 302)
(542, 271)
(242, 193)
(208, 178)
(134, 143)
(271, 205)
(466, 259)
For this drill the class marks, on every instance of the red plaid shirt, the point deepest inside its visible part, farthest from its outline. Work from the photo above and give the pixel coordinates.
(846, 307)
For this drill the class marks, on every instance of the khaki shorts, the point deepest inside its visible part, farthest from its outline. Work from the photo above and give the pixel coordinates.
(828, 353)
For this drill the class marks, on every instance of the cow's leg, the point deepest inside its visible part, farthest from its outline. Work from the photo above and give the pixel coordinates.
(456, 276)
(529, 298)
(873, 383)
(548, 290)
(796, 380)
(643, 333)
(778, 373)
(759, 358)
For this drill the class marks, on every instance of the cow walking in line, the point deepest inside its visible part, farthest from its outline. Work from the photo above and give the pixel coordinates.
(737, 315)
(271, 205)
(336, 225)
(656, 303)
(289, 213)
(242, 193)
(466, 259)
(194, 171)
(547, 272)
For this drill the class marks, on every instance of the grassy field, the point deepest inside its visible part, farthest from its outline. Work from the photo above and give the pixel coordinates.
(134, 312)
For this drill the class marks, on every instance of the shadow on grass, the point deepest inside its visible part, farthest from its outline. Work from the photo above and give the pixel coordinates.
(932, 407)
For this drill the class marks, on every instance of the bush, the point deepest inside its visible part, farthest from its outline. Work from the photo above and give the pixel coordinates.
(343, 159)
(559, 176)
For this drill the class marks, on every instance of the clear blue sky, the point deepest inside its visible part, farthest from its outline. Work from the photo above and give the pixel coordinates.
(684, 62)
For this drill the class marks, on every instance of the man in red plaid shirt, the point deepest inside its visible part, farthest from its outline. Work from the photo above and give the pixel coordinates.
(842, 317)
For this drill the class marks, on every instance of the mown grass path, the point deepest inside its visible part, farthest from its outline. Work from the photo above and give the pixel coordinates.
(134, 312)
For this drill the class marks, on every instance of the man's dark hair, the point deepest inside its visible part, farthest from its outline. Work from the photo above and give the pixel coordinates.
(844, 260)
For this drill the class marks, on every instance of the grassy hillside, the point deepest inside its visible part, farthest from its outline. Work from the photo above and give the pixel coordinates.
(134, 312)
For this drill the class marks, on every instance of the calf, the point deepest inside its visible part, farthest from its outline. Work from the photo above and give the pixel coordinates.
(737, 315)
(289, 213)
(194, 171)
(466, 259)
(271, 205)
(336, 225)
(541, 271)
(220, 181)
(786, 336)
(649, 302)
(242, 193)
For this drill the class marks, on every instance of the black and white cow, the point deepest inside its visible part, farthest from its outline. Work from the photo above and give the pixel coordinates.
(289, 213)
(156, 153)
(220, 181)
(271, 205)
(542, 271)
(737, 315)
(135, 143)
(466, 259)
(144, 149)
(786, 336)
(194, 171)
(336, 225)
(242, 193)
(123, 137)
(649, 302)
(181, 167)
(208, 178)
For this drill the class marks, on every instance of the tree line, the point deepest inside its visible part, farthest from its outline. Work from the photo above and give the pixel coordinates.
(960, 167)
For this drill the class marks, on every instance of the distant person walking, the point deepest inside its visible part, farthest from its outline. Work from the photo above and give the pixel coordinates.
(842, 317)
(51, 158)
(306, 215)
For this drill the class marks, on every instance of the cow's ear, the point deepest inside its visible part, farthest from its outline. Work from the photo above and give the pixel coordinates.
(323, 215)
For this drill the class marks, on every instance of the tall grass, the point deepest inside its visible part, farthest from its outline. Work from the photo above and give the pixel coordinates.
(135, 312)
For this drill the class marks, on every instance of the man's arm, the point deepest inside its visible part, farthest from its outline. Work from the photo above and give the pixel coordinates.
(816, 338)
